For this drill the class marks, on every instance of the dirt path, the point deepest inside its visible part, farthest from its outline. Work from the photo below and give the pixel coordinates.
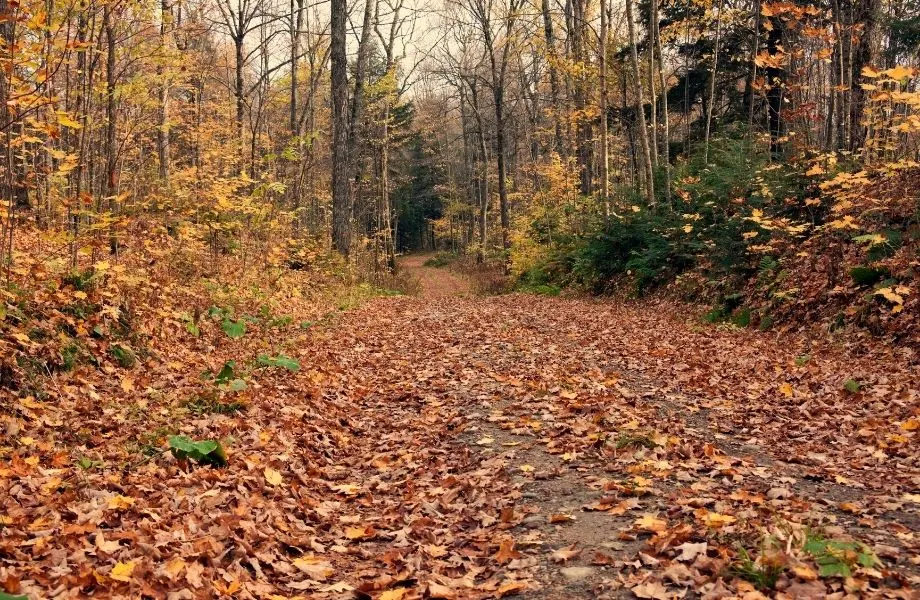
(576, 449)
(448, 445)
(434, 282)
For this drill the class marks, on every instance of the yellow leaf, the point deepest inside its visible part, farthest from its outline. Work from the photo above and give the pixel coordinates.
(911, 425)
(651, 523)
(357, 533)
(174, 567)
(804, 572)
(889, 294)
(395, 594)
(122, 571)
(120, 502)
(64, 120)
(127, 384)
(688, 228)
(786, 390)
(273, 477)
(899, 72)
(527, 468)
(714, 519)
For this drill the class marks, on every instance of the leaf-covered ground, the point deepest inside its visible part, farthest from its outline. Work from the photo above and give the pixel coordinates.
(454, 446)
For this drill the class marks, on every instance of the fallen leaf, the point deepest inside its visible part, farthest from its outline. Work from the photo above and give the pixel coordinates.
(273, 477)
(651, 523)
(122, 571)
(506, 552)
(564, 555)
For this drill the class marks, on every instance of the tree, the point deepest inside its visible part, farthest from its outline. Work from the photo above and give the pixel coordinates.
(341, 197)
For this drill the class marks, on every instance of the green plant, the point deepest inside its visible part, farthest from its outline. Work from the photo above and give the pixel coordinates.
(866, 276)
(205, 452)
(762, 573)
(233, 329)
(801, 360)
(838, 558)
(70, 356)
(87, 464)
(441, 259)
(281, 360)
(80, 281)
(123, 355)
(742, 318)
(715, 315)
(852, 386)
(227, 378)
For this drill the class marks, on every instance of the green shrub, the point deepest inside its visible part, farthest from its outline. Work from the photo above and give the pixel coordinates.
(866, 276)
(123, 355)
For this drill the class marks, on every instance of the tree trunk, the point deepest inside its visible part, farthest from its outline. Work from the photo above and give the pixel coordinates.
(238, 93)
(666, 133)
(341, 198)
(605, 143)
(163, 129)
(640, 106)
(553, 75)
(712, 85)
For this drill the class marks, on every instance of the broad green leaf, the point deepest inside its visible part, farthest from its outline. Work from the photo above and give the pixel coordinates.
(281, 360)
(203, 452)
(234, 329)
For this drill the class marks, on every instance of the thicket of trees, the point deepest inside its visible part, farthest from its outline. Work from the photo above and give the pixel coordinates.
(212, 117)
(680, 120)
(568, 139)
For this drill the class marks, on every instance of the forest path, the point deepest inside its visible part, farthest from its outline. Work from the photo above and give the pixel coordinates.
(434, 282)
(564, 448)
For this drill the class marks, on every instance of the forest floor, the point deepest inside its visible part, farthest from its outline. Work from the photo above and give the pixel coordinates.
(448, 445)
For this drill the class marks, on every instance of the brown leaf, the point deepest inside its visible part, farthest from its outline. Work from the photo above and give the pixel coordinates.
(506, 552)
(566, 554)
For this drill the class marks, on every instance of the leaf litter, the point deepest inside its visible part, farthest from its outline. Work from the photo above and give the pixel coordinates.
(664, 460)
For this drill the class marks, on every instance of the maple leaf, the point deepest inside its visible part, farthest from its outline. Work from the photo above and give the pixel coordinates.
(119, 502)
(122, 571)
(349, 489)
(315, 567)
(561, 518)
(715, 520)
(506, 552)
(109, 547)
(651, 523)
(689, 551)
(394, 594)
